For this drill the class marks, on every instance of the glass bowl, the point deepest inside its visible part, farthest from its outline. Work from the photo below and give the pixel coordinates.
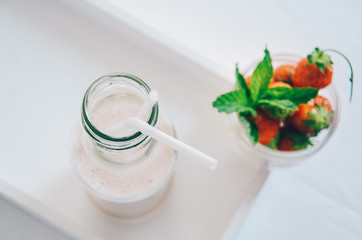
(286, 158)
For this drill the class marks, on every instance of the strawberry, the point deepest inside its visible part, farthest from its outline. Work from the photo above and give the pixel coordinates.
(286, 144)
(247, 80)
(312, 117)
(284, 73)
(262, 104)
(314, 71)
(274, 84)
(268, 128)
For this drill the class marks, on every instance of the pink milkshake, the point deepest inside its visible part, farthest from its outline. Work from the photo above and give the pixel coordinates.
(127, 173)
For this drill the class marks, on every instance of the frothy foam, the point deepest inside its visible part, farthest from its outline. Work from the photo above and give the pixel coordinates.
(115, 180)
(123, 181)
(113, 110)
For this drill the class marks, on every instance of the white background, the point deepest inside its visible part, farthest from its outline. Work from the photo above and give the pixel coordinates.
(322, 197)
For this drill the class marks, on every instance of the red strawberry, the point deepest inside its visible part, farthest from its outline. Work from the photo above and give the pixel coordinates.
(247, 80)
(284, 73)
(315, 71)
(312, 117)
(274, 84)
(286, 144)
(268, 128)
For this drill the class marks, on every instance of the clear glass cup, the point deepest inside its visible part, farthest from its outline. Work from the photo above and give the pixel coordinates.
(287, 158)
(126, 173)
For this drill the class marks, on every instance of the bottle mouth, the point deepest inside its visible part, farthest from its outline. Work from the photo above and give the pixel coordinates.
(101, 89)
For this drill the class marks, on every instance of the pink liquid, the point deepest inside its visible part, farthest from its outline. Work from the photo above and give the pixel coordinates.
(123, 185)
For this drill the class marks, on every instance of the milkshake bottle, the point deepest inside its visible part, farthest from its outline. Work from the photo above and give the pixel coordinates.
(126, 173)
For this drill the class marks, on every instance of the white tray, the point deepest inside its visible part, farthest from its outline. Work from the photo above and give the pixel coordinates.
(50, 53)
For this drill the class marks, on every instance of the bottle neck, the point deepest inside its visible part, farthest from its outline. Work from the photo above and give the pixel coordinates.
(108, 101)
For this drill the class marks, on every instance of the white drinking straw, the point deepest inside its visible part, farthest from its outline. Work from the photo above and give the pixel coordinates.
(172, 142)
(151, 99)
(145, 128)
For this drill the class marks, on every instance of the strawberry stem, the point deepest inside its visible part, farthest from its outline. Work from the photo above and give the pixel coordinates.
(320, 60)
(350, 67)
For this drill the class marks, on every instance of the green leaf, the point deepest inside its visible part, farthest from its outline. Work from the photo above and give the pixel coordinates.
(250, 128)
(274, 142)
(240, 81)
(281, 104)
(261, 77)
(278, 112)
(295, 95)
(241, 84)
(235, 101)
(300, 141)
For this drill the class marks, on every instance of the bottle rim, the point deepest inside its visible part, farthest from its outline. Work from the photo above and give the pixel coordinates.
(103, 139)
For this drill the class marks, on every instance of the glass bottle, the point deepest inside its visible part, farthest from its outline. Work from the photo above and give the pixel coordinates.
(126, 173)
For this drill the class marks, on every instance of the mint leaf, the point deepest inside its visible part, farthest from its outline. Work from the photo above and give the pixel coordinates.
(235, 101)
(295, 95)
(274, 142)
(278, 112)
(299, 140)
(241, 85)
(282, 104)
(250, 128)
(240, 81)
(261, 77)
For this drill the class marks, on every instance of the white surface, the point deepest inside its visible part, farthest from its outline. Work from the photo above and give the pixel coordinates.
(50, 54)
(16, 224)
(321, 198)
